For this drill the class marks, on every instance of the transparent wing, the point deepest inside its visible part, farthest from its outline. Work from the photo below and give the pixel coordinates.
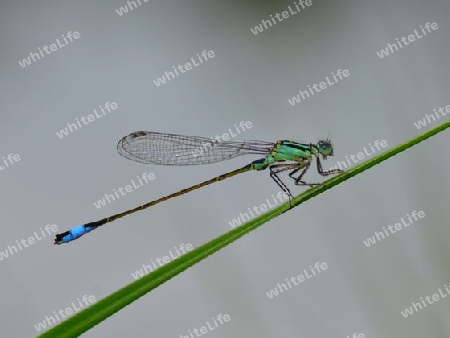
(172, 149)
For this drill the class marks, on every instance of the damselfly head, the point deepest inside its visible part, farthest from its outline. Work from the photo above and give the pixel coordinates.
(325, 148)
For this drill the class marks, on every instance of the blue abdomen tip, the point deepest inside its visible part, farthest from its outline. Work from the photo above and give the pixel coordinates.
(77, 232)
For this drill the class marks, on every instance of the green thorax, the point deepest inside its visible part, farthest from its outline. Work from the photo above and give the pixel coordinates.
(292, 151)
(286, 151)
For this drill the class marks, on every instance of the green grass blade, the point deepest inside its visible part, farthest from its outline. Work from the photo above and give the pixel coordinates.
(93, 315)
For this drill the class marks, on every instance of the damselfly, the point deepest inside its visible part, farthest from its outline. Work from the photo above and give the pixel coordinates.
(179, 150)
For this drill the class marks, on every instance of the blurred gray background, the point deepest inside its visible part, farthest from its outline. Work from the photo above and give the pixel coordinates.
(251, 77)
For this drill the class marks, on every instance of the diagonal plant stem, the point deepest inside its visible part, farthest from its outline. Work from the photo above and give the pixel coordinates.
(93, 315)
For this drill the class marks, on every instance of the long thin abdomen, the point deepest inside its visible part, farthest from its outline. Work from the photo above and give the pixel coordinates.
(79, 231)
